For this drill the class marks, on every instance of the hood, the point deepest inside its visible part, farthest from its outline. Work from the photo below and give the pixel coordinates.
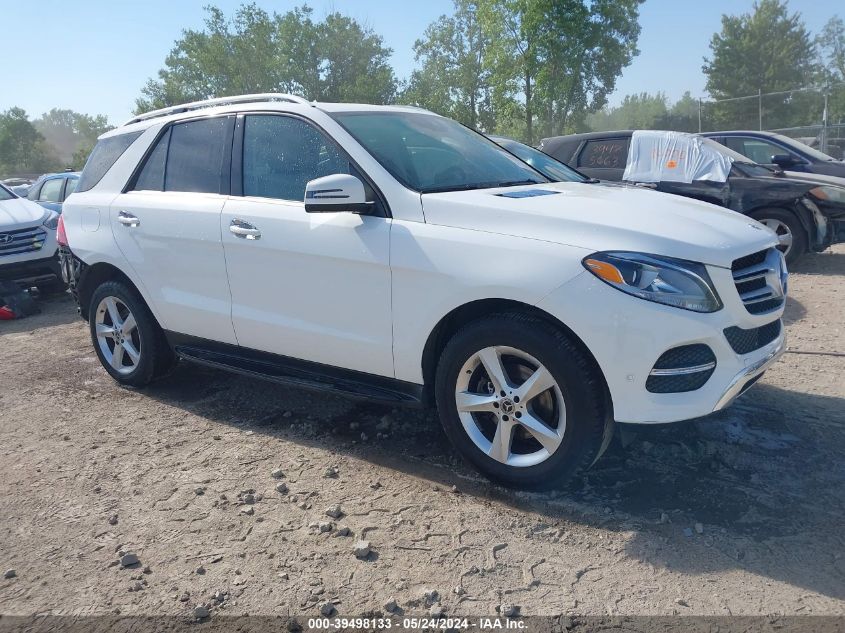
(601, 218)
(19, 213)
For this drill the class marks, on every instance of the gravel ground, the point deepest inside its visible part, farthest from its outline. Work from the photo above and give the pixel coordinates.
(225, 491)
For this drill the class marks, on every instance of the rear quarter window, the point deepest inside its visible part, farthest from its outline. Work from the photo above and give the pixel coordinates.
(605, 154)
(105, 154)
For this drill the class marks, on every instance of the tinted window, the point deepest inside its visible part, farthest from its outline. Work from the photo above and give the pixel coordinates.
(71, 186)
(105, 154)
(281, 154)
(195, 156)
(606, 154)
(51, 190)
(151, 177)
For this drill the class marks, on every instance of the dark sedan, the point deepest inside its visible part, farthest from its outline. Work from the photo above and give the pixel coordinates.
(805, 215)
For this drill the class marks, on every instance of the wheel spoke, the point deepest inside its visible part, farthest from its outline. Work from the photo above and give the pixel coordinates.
(540, 432)
(489, 357)
(105, 331)
(785, 239)
(467, 401)
(500, 449)
(111, 306)
(538, 382)
(117, 357)
(128, 325)
(133, 353)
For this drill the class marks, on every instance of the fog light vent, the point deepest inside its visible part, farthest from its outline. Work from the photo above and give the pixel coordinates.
(684, 368)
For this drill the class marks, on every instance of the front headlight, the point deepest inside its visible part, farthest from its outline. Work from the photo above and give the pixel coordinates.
(830, 193)
(674, 282)
(51, 220)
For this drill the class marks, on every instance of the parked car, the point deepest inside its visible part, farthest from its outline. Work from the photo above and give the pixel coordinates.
(51, 190)
(28, 249)
(392, 254)
(18, 186)
(777, 150)
(806, 215)
(551, 168)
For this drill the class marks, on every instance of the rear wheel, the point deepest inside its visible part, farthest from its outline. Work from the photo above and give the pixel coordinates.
(126, 337)
(520, 401)
(791, 234)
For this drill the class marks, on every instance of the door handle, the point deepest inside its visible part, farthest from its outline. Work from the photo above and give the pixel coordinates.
(127, 219)
(244, 229)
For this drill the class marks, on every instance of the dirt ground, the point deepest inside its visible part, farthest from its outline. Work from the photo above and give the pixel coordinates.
(739, 513)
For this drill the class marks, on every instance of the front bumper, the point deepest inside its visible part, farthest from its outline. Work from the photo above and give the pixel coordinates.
(627, 335)
(32, 271)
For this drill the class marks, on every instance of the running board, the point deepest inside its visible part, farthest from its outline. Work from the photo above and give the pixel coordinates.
(299, 373)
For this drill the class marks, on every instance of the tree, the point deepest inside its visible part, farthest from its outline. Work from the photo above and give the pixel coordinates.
(333, 60)
(636, 112)
(69, 133)
(830, 44)
(767, 50)
(22, 148)
(453, 79)
(558, 58)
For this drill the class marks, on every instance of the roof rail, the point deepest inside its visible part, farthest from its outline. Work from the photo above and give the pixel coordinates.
(208, 103)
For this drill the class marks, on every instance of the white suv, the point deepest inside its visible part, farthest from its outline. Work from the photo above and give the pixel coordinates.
(393, 254)
(27, 241)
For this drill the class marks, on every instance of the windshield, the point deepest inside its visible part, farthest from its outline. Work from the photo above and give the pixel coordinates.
(550, 167)
(429, 153)
(803, 147)
(5, 194)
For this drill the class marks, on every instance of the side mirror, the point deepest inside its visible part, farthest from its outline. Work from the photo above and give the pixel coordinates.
(336, 193)
(785, 160)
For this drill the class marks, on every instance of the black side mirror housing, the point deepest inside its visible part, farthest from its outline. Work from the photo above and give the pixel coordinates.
(785, 160)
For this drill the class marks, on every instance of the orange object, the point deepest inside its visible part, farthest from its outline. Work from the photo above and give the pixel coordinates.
(606, 271)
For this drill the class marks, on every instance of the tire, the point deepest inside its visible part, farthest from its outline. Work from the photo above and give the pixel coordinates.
(785, 223)
(152, 358)
(524, 345)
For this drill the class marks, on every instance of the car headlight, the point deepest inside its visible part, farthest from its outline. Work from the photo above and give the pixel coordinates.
(832, 194)
(673, 282)
(51, 220)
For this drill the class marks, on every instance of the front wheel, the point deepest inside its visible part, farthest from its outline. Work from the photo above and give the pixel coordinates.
(520, 401)
(791, 234)
(126, 337)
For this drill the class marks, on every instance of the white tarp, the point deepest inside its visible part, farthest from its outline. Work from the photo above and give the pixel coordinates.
(674, 157)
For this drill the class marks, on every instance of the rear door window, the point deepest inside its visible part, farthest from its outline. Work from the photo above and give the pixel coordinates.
(51, 190)
(70, 187)
(189, 157)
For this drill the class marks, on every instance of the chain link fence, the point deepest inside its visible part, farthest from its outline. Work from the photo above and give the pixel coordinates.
(815, 116)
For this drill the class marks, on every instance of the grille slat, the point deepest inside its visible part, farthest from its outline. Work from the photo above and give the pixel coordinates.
(753, 275)
(22, 240)
(681, 369)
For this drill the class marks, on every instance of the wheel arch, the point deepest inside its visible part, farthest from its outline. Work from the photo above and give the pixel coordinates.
(462, 315)
(805, 218)
(97, 274)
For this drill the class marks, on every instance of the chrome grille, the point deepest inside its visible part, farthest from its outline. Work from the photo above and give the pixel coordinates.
(760, 280)
(22, 240)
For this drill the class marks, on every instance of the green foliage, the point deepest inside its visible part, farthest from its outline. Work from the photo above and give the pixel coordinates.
(767, 50)
(22, 148)
(334, 60)
(647, 112)
(557, 59)
(70, 133)
(453, 79)
(830, 44)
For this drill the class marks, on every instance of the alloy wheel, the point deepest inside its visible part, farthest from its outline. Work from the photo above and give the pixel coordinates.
(783, 232)
(118, 335)
(510, 406)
